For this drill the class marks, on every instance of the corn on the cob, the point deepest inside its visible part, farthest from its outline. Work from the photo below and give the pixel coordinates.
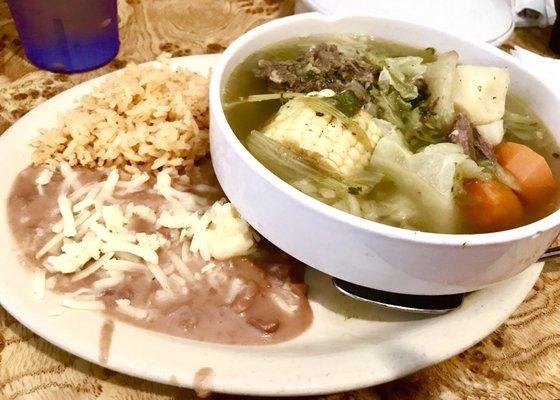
(323, 138)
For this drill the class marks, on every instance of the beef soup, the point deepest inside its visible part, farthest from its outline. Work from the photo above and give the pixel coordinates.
(403, 136)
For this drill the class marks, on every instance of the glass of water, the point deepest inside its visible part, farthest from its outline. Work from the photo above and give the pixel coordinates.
(67, 36)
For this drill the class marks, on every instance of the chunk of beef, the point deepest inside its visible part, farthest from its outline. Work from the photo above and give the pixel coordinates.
(465, 135)
(483, 146)
(323, 66)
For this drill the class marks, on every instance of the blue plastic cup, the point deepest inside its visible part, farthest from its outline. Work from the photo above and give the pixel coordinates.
(67, 36)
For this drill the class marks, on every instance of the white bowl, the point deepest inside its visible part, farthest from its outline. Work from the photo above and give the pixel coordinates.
(351, 248)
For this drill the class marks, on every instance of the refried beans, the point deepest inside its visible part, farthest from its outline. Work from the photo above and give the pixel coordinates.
(259, 298)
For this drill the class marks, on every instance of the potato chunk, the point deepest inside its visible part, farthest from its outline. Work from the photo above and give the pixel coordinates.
(493, 132)
(440, 76)
(481, 92)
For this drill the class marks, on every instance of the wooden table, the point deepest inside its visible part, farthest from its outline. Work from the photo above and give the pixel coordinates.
(521, 360)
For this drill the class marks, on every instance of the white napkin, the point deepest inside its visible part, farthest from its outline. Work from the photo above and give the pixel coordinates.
(533, 12)
(547, 68)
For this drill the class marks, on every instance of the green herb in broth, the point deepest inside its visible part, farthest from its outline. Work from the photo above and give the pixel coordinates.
(348, 103)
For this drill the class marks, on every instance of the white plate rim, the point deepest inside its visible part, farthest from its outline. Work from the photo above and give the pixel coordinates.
(306, 370)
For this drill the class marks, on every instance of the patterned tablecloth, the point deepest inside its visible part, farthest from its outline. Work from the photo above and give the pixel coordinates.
(521, 360)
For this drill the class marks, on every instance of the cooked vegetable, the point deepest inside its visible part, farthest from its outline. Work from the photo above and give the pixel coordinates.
(440, 76)
(400, 98)
(347, 103)
(530, 169)
(402, 73)
(424, 196)
(522, 126)
(481, 92)
(391, 107)
(288, 165)
(255, 98)
(493, 132)
(490, 206)
(308, 127)
(402, 136)
(426, 178)
(303, 172)
(491, 168)
(326, 106)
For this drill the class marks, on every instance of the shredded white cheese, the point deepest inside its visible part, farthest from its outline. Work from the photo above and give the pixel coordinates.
(124, 306)
(69, 175)
(185, 253)
(75, 254)
(123, 265)
(216, 278)
(83, 204)
(176, 221)
(81, 191)
(94, 235)
(92, 268)
(203, 188)
(44, 177)
(180, 266)
(109, 282)
(207, 268)
(91, 305)
(104, 234)
(285, 300)
(109, 186)
(135, 184)
(178, 199)
(151, 241)
(199, 239)
(65, 207)
(67, 263)
(54, 241)
(146, 254)
(229, 235)
(114, 218)
(179, 280)
(161, 296)
(160, 276)
(236, 286)
(141, 211)
(79, 220)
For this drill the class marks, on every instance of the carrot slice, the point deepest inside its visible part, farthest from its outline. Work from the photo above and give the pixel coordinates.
(490, 206)
(529, 168)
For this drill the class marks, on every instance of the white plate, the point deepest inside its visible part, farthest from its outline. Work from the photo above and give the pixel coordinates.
(349, 345)
(490, 21)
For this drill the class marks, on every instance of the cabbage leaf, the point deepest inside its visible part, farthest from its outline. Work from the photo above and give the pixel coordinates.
(402, 73)
(426, 179)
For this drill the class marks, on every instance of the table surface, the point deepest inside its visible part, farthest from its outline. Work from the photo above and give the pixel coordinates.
(521, 360)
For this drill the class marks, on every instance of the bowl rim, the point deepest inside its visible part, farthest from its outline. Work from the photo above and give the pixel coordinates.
(421, 237)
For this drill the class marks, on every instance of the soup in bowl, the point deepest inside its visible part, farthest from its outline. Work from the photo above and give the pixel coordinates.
(387, 154)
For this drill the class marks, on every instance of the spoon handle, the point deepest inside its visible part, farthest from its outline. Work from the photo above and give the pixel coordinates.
(552, 252)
